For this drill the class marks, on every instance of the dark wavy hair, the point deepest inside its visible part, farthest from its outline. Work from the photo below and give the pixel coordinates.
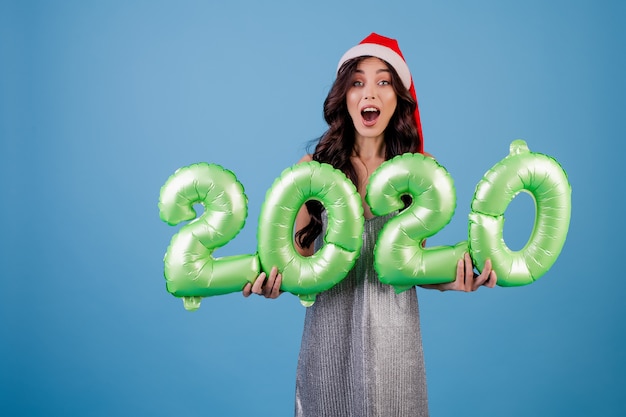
(335, 146)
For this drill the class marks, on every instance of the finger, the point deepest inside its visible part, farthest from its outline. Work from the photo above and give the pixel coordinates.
(459, 282)
(493, 279)
(247, 290)
(267, 288)
(257, 287)
(276, 287)
(484, 275)
(469, 272)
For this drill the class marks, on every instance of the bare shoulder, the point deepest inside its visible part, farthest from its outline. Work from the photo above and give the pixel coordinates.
(306, 158)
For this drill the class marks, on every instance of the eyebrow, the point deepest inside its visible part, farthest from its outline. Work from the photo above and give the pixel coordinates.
(378, 71)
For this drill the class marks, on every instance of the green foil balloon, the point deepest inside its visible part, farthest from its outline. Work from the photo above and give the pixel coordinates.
(546, 181)
(191, 272)
(308, 276)
(399, 256)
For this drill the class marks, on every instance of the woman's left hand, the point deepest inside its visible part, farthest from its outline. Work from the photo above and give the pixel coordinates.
(466, 280)
(267, 286)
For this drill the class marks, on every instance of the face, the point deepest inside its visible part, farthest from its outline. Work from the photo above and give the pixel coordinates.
(371, 99)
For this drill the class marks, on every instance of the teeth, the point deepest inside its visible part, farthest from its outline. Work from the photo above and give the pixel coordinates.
(370, 109)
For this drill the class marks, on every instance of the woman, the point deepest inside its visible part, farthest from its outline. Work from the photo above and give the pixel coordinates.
(361, 352)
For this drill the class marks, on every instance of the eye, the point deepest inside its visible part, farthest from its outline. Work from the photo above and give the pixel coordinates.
(384, 82)
(357, 84)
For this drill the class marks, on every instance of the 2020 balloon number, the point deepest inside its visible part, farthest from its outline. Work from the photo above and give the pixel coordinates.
(400, 258)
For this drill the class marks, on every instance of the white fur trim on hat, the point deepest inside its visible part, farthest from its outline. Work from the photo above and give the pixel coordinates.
(382, 52)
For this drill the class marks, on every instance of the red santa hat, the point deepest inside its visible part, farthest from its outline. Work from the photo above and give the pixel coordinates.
(388, 50)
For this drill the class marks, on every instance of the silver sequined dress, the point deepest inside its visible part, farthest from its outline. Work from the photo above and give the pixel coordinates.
(361, 352)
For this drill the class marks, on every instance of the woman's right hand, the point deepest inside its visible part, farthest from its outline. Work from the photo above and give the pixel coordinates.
(269, 287)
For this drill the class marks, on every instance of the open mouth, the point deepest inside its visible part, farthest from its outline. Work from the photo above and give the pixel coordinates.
(370, 115)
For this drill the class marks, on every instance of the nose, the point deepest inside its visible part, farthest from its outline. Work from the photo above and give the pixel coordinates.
(368, 92)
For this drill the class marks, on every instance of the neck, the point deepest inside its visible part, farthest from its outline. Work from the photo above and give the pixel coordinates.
(369, 147)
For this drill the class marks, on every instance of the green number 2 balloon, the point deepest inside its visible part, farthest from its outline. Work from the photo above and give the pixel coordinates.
(191, 271)
(399, 256)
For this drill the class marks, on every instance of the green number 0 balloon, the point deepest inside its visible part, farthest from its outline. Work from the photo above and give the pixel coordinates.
(191, 272)
(399, 256)
(308, 276)
(543, 178)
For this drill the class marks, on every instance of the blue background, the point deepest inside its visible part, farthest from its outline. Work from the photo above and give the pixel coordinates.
(102, 101)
